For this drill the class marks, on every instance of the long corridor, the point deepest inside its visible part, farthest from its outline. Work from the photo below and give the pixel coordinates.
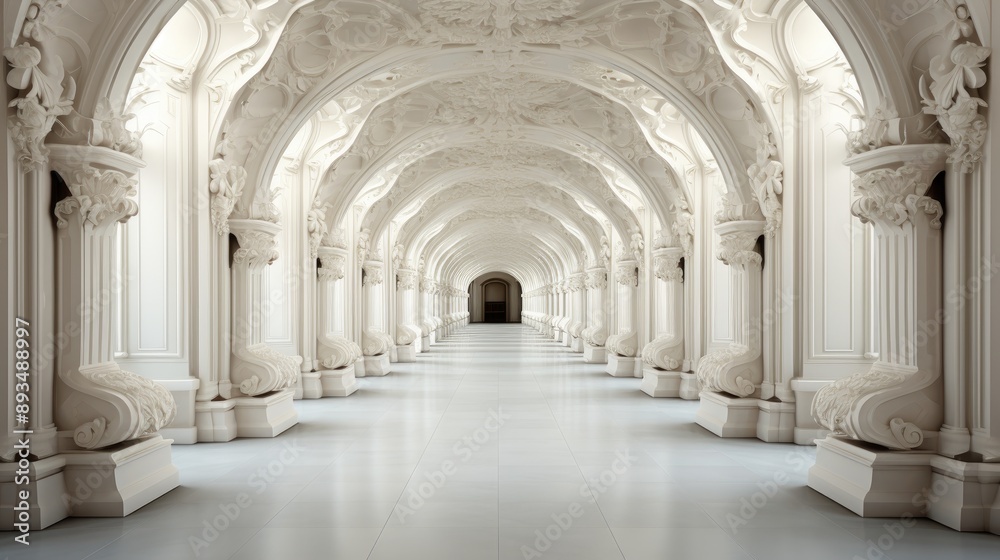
(496, 444)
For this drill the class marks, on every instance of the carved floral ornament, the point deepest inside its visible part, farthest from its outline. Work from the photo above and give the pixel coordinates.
(895, 196)
(736, 245)
(257, 247)
(373, 273)
(101, 197)
(666, 265)
(332, 264)
(957, 110)
(627, 273)
(406, 279)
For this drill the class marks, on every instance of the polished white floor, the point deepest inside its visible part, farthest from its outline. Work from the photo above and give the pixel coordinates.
(342, 478)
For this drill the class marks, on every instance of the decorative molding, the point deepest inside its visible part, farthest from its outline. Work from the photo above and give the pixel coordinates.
(666, 264)
(406, 279)
(373, 273)
(101, 196)
(257, 245)
(893, 196)
(226, 188)
(47, 93)
(333, 263)
(766, 177)
(627, 273)
(957, 110)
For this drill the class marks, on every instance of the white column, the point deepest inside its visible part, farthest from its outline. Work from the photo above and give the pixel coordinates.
(897, 403)
(375, 344)
(408, 333)
(623, 345)
(664, 355)
(337, 355)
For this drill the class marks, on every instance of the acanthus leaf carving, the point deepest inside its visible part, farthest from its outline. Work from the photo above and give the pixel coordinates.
(894, 196)
(101, 197)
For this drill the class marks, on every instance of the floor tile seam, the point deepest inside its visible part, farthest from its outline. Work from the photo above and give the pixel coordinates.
(451, 399)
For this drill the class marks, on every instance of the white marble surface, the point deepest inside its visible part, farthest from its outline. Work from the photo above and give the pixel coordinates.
(566, 422)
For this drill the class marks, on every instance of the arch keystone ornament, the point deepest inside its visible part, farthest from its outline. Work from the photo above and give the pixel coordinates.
(107, 417)
(897, 405)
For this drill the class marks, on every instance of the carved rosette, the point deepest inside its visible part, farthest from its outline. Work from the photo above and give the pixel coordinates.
(373, 273)
(337, 352)
(627, 272)
(666, 264)
(226, 187)
(332, 262)
(406, 279)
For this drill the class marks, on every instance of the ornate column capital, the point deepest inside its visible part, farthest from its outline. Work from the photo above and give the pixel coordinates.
(597, 278)
(101, 184)
(406, 279)
(627, 272)
(256, 238)
(332, 263)
(666, 264)
(892, 183)
(373, 273)
(738, 239)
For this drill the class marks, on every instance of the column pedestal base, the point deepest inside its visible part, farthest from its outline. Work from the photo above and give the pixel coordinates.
(660, 383)
(359, 368)
(215, 421)
(377, 366)
(595, 354)
(870, 480)
(338, 382)
(727, 416)
(425, 344)
(621, 366)
(874, 482)
(312, 388)
(45, 505)
(577, 344)
(406, 354)
(690, 387)
(265, 416)
(183, 428)
(775, 421)
(118, 480)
